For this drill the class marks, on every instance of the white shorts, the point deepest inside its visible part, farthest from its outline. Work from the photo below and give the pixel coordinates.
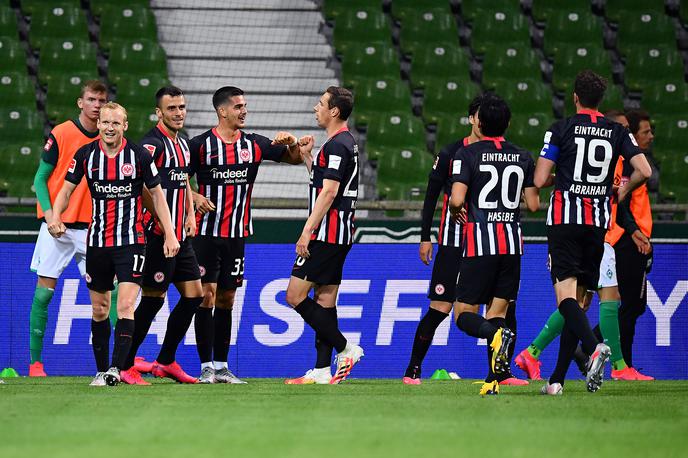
(608, 268)
(52, 256)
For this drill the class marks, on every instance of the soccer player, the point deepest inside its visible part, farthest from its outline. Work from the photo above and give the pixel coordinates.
(51, 256)
(327, 236)
(489, 177)
(116, 171)
(171, 155)
(584, 148)
(225, 160)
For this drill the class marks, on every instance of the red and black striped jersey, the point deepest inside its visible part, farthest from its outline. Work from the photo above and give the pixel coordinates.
(173, 160)
(585, 148)
(441, 175)
(337, 160)
(116, 184)
(225, 173)
(495, 172)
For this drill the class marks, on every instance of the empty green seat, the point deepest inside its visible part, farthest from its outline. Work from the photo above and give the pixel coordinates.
(451, 129)
(647, 64)
(57, 24)
(403, 9)
(543, 10)
(62, 94)
(8, 22)
(494, 29)
(374, 97)
(515, 62)
(406, 166)
(366, 61)
(471, 9)
(140, 122)
(31, 7)
(665, 97)
(396, 130)
(570, 61)
(673, 175)
(20, 163)
(332, 9)
(66, 58)
(17, 91)
(98, 7)
(12, 56)
(528, 131)
(140, 58)
(360, 26)
(139, 93)
(439, 62)
(426, 28)
(125, 23)
(20, 125)
(643, 27)
(524, 96)
(614, 9)
(571, 28)
(447, 98)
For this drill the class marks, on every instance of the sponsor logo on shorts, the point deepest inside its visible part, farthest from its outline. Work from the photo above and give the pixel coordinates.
(439, 289)
(88, 278)
(159, 277)
(202, 269)
(127, 170)
(245, 154)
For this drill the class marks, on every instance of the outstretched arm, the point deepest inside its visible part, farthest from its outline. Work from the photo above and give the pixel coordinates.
(56, 228)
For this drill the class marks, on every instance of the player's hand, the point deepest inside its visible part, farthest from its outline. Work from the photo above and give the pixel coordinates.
(190, 225)
(171, 246)
(57, 228)
(425, 252)
(302, 245)
(306, 144)
(642, 242)
(284, 138)
(459, 215)
(203, 204)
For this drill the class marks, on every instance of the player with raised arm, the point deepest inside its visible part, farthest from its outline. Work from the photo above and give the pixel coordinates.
(489, 177)
(116, 171)
(584, 148)
(327, 237)
(225, 160)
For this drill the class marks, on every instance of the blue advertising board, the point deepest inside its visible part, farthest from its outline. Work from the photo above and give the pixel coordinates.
(381, 300)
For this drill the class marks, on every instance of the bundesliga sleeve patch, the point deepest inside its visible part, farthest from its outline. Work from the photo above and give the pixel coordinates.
(334, 162)
(456, 168)
(635, 143)
(72, 166)
(150, 148)
(154, 169)
(48, 145)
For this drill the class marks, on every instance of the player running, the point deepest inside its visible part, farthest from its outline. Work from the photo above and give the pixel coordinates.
(489, 178)
(116, 171)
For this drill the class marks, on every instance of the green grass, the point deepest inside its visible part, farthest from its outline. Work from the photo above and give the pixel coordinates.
(63, 417)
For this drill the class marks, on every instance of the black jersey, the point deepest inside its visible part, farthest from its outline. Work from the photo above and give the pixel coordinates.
(116, 184)
(495, 172)
(585, 148)
(173, 160)
(337, 160)
(225, 173)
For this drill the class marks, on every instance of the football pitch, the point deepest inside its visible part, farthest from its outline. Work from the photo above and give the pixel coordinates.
(63, 417)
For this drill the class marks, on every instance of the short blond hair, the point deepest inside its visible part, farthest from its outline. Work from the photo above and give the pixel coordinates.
(115, 106)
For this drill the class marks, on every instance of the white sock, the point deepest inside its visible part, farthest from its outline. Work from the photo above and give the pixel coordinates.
(204, 365)
(220, 365)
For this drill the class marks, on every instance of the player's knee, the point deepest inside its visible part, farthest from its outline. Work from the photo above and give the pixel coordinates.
(208, 299)
(225, 299)
(294, 297)
(100, 310)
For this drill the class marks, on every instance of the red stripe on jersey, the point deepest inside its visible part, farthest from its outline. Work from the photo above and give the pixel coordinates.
(258, 153)
(558, 205)
(111, 169)
(496, 140)
(587, 210)
(594, 114)
(444, 215)
(321, 159)
(466, 141)
(201, 152)
(181, 195)
(230, 157)
(140, 238)
(501, 238)
(247, 212)
(225, 223)
(332, 229)
(469, 229)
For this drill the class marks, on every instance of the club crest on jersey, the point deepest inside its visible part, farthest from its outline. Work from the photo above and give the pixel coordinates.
(159, 277)
(439, 289)
(72, 165)
(150, 148)
(245, 154)
(48, 144)
(127, 169)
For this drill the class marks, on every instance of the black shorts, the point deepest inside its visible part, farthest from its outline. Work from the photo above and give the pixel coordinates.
(161, 271)
(575, 251)
(325, 264)
(220, 260)
(124, 262)
(445, 271)
(482, 278)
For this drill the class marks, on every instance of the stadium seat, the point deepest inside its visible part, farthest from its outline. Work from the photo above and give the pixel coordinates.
(448, 97)
(140, 122)
(403, 9)
(366, 61)
(641, 28)
(57, 24)
(20, 125)
(8, 23)
(359, 27)
(140, 58)
(427, 27)
(494, 29)
(451, 129)
(400, 169)
(128, 22)
(570, 61)
(395, 130)
(66, 58)
(12, 56)
(647, 64)
(470, 9)
(524, 96)
(139, 93)
(17, 91)
(665, 97)
(571, 28)
(528, 131)
(439, 62)
(332, 9)
(614, 9)
(514, 62)
(673, 175)
(31, 7)
(543, 10)
(62, 93)
(374, 97)
(98, 7)
(21, 161)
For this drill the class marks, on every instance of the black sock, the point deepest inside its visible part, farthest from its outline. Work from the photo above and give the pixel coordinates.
(567, 347)
(203, 325)
(101, 331)
(575, 319)
(222, 321)
(124, 332)
(497, 322)
(423, 339)
(510, 322)
(321, 322)
(475, 326)
(322, 347)
(177, 325)
(598, 333)
(143, 317)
